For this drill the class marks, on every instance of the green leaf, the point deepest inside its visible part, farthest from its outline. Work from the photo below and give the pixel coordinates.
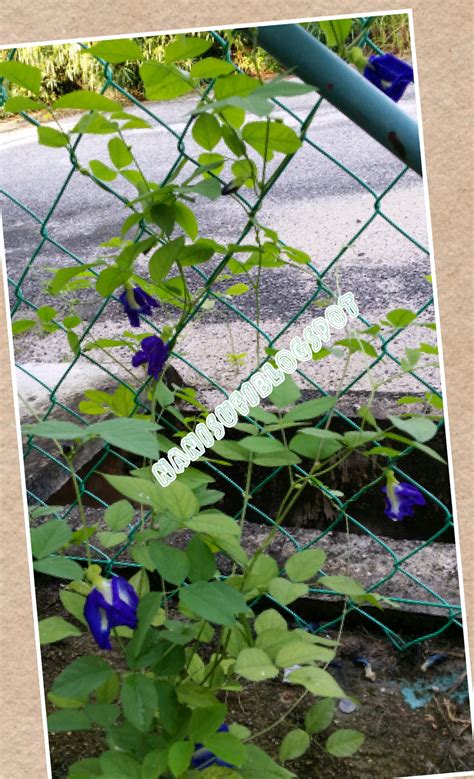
(119, 764)
(94, 124)
(186, 220)
(343, 585)
(230, 450)
(119, 515)
(272, 136)
(19, 103)
(54, 629)
(310, 409)
(211, 189)
(66, 703)
(101, 171)
(133, 435)
(202, 565)
(86, 101)
(74, 604)
(85, 769)
(285, 394)
(215, 601)
(227, 747)
(22, 325)
(206, 131)
(172, 564)
(336, 31)
(109, 279)
(295, 744)
(178, 501)
(255, 665)
(186, 47)
(420, 428)
(60, 567)
(356, 438)
(55, 430)
(237, 289)
(320, 716)
(120, 50)
(211, 67)
(49, 537)
(280, 87)
(140, 490)
(311, 444)
(317, 681)
(68, 719)
(213, 523)
(163, 82)
(286, 592)
(147, 610)
(23, 75)
(48, 136)
(344, 742)
(304, 565)
(81, 677)
(119, 153)
(270, 619)
(104, 714)
(400, 317)
(302, 652)
(425, 449)
(154, 764)
(261, 444)
(164, 258)
(179, 757)
(260, 765)
(109, 538)
(206, 721)
(262, 572)
(358, 345)
(139, 700)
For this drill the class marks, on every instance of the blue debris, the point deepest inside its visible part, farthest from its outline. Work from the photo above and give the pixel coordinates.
(421, 692)
(436, 659)
(347, 706)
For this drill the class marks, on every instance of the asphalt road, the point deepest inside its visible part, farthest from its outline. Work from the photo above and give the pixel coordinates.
(316, 206)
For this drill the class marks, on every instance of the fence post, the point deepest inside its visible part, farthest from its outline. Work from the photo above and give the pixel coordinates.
(345, 88)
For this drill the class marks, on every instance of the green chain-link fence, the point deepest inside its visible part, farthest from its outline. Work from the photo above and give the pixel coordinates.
(422, 594)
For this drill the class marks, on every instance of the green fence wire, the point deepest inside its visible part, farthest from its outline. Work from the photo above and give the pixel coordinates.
(44, 227)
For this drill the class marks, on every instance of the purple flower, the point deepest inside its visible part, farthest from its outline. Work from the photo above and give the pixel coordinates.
(203, 758)
(136, 301)
(112, 602)
(401, 498)
(153, 351)
(389, 74)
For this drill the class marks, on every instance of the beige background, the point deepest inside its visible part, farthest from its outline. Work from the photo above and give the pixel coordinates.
(443, 39)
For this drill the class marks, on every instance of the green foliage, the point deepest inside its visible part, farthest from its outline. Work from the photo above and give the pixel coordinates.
(198, 580)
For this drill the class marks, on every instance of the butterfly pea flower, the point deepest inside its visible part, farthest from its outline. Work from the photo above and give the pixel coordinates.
(389, 74)
(401, 498)
(203, 758)
(135, 302)
(111, 603)
(154, 352)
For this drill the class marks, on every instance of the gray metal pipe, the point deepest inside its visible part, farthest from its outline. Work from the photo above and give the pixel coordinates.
(345, 88)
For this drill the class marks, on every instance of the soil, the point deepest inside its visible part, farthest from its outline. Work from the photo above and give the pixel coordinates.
(399, 740)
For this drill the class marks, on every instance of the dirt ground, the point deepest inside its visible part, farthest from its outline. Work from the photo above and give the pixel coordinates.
(415, 723)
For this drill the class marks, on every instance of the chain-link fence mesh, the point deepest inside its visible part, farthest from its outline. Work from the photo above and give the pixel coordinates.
(322, 279)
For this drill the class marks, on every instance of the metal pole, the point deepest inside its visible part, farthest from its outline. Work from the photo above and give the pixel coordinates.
(345, 88)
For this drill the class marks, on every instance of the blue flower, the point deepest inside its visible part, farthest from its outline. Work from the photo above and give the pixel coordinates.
(111, 603)
(401, 498)
(136, 301)
(153, 351)
(389, 74)
(203, 758)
